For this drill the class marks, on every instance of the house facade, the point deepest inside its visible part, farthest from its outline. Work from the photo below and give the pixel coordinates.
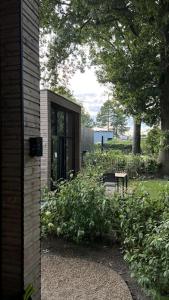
(60, 130)
(19, 171)
(102, 135)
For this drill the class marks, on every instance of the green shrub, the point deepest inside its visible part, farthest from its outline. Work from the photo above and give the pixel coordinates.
(134, 165)
(152, 142)
(79, 209)
(126, 148)
(144, 224)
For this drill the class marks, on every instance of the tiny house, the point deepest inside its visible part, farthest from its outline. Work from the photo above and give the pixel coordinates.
(102, 134)
(60, 130)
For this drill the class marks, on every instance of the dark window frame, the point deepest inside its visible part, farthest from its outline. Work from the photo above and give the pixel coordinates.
(65, 137)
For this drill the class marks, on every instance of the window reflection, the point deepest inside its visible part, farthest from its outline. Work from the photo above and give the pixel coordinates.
(63, 139)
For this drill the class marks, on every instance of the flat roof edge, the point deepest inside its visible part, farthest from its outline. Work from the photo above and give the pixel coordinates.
(64, 98)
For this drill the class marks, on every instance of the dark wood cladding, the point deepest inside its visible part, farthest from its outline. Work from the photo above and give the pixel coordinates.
(78, 141)
(62, 101)
(11, 157)
(32, 174)
(20, 174)
(47, 98)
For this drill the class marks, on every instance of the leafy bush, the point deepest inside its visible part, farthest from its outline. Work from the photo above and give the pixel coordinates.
(134, 165)
(152, 142)
(79, 209)
(126, 148)
(144, 224)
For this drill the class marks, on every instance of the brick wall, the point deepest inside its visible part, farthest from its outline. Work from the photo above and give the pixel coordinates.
(45, 133)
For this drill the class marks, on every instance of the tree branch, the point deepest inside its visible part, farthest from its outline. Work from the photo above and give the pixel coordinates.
(85, 23)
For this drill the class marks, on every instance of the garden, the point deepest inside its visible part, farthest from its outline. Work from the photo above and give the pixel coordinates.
(126, 43)
(79, 210)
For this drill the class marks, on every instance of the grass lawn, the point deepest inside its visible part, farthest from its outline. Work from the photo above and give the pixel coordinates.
(153, 187)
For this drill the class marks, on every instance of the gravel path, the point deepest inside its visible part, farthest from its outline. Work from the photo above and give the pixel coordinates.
(71, 272)
(74, 278)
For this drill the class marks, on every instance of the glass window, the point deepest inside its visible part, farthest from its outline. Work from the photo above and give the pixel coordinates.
(69, 124)
(62, 158)
(54, 121)
(60, 123)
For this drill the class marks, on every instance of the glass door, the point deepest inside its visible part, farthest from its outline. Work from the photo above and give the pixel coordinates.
(62, 143)
(57, 144)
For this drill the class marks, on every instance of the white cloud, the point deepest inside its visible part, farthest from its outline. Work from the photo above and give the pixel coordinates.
(92, 95)
(86, 82)
(89, 92)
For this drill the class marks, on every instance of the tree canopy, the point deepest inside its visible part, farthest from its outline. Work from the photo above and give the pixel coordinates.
(134, 73)
(122, 42)
(86, 119)
(138, 30)
(112, 116)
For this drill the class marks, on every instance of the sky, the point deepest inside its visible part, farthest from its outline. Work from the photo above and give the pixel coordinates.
(92, 94)
(87, 90)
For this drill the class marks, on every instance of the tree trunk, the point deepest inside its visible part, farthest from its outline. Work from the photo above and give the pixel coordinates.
(136, 148)
(164, 98)
(116, 133)
(164, 106)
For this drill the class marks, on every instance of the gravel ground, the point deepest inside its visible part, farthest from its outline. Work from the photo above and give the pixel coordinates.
(72, 272)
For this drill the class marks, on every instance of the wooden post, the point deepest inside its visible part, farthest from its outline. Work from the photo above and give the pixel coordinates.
(20, 174)
(102, 144)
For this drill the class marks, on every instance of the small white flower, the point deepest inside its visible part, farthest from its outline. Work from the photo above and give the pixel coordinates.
(50, 225)
(48, 213)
